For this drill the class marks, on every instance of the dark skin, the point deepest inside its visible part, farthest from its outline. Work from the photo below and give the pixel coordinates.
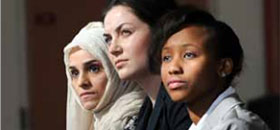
(191, 72)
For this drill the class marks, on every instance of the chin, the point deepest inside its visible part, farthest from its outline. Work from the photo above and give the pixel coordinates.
(177, 96)
(178, 99)
(89, 106)
(122, 74)
(126, 75)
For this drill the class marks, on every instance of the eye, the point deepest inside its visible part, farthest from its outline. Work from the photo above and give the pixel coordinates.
(94, 68)
(107, 39)
(126, 32)
(189, 55)
(166, 58)
(74, 73)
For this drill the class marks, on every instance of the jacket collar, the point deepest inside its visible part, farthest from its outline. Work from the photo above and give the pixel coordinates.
(221, 109)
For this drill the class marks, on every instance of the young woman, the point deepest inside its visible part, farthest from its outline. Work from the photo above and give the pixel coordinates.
(97, 98)
(199, 58)
(128, 29)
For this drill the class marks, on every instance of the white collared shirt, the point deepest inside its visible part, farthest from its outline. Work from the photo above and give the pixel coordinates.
(230, 90)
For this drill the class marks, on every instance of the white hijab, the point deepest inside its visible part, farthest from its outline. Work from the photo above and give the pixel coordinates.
(121, 100)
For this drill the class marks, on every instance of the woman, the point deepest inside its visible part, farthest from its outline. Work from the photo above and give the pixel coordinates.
(97, 99)
(199, 58)
(128, 29)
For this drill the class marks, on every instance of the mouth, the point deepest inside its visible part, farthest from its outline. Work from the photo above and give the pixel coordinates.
(120, 63)
(175, 84)
(88, 95)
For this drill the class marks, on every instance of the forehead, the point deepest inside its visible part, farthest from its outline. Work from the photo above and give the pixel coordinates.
(196, 35)
(119, 14)
(78, 55)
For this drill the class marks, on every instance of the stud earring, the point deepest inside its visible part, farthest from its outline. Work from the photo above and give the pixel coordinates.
(223, 74)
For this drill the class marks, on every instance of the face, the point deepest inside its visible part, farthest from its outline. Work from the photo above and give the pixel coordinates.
(128, 38)
(188, 69)
(88, 77)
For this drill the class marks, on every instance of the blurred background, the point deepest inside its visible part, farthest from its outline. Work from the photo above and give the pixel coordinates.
(34, 32)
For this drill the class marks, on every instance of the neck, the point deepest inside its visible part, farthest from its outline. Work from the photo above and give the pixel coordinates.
(151, 84)
(197, 110)
(199, 107)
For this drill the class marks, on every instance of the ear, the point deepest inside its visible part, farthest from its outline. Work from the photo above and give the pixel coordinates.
(225, 67)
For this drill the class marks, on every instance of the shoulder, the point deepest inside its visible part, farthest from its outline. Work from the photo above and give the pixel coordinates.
(127, 123)
(242, 119)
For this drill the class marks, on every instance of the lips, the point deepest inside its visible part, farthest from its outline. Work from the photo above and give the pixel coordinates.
(88, 95)
(176, 83)
(120, 63)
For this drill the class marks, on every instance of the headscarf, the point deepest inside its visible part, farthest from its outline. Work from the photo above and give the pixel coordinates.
(121, 99)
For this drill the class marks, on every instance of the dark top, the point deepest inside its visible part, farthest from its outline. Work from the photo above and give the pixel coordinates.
(167, 115)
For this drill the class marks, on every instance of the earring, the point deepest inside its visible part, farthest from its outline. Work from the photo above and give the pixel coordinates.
(223, 74)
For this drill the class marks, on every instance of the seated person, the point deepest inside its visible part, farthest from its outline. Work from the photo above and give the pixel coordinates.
(97, 99)
(199, 57)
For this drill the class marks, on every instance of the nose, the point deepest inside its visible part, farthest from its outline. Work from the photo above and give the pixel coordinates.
(84, 81)
(175, 68)
(115, 49)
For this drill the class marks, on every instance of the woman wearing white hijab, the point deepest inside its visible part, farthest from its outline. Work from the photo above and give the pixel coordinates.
(120, 102)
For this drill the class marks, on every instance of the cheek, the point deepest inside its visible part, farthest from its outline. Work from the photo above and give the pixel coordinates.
(163, 73)
(75, 85)
(143, 43)
(194, 71)
(103, 84)
(111, 58)
(99, 82)
(138, 51)
(201, 73)
(139, 43)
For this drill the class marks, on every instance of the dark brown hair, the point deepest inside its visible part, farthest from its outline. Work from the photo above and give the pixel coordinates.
(222, 39)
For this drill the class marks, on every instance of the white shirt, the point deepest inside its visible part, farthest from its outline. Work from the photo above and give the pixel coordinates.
(223, 95)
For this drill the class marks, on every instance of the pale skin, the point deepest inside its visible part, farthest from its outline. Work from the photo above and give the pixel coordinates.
(128, 38)
(88, 77)
(190, 71)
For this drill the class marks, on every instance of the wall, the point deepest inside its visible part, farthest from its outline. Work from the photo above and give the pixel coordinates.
(246, 18)
(13, 64)
(50, 26)
(34, 33)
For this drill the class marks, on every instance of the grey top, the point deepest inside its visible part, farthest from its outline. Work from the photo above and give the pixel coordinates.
(230, 114)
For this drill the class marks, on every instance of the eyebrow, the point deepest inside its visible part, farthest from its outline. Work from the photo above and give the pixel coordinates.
(72, 67)
(120, 26)
(184, 45)
(91, 61)
(85, 64)
(106, 35)
(116, 30)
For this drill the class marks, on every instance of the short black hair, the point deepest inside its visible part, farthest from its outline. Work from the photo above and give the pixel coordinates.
(221, 36)
(149, 11)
